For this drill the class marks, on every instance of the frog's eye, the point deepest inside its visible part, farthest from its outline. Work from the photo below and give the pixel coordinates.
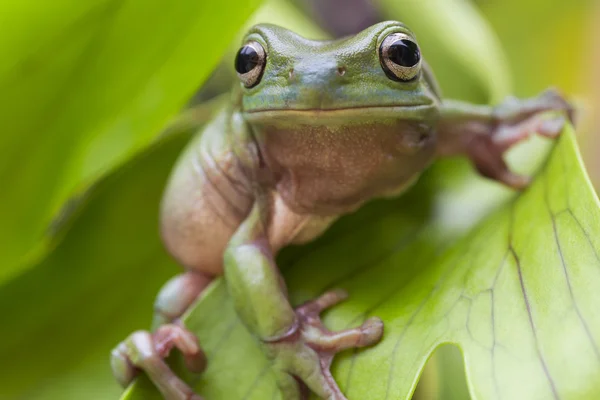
(250, 63)
(400, 57)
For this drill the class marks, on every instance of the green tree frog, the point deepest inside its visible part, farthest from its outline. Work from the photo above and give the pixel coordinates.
(313, 130)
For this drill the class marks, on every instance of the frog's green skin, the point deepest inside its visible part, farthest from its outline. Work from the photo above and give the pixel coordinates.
(323, 131)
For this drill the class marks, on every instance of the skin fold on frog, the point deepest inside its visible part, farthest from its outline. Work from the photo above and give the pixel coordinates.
(313, 130)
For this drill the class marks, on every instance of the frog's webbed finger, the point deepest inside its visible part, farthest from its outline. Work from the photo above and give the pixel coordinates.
(323, 302)
(515, 120)
(484, 133)
(140, 351)
(513, 111)
(174, 335)
(507, 136)
(367, 334)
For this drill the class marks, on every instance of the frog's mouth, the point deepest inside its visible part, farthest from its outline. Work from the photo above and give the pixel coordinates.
(321, 115)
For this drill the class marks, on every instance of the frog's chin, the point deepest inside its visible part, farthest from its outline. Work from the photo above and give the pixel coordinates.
(320, 116)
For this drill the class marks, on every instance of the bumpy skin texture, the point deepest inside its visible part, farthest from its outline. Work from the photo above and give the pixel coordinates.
(323, 131)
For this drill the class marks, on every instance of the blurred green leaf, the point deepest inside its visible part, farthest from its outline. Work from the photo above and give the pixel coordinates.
(545, 41)
(86, 84)
(443, 376)
(279, 12)
(517, 295)
(451, 374)
(62, 316)
(284, 13)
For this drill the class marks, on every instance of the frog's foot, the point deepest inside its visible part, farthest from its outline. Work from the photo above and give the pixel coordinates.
(303, 355)
(146, 351)
(516, 120)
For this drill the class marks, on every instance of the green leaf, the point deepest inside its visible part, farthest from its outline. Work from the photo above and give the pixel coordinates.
(518, 295)
(62, 316)
(84, 85)
(531, 34)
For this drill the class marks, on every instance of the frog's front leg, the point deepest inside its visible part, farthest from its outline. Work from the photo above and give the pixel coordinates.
(484, 133)
(146, 350)
(301, 348)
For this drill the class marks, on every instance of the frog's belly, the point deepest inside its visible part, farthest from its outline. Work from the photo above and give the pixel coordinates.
(328, 170)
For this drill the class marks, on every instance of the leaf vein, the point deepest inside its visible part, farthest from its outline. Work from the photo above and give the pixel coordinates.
(256, 381)
(566, 270)
(532, 323)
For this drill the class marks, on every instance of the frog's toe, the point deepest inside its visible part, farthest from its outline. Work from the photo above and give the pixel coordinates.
(555, 101)
(123, 370)
(146, 351)
(367, 334)
(546, 125)
(322, 339)
(306, 353)
(513, 111)
(552, 127)
(169, 336)
(313, 308)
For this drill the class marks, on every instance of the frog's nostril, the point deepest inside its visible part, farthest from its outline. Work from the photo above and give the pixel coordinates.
(341, 71)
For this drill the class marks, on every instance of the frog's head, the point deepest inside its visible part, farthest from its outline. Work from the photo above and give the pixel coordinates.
(347, 119)
(378, 69)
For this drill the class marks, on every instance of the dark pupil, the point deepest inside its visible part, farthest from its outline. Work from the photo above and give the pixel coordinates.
(246, 60)
(404, 53)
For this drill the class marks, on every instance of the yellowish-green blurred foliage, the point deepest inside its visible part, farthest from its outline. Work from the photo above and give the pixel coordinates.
(551, 42)
(548, 42)
(86, 87)
(591, 121)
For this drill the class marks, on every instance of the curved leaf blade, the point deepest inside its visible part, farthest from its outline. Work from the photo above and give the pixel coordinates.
(518, 295)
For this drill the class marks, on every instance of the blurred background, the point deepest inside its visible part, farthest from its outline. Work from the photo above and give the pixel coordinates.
(86, 87)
